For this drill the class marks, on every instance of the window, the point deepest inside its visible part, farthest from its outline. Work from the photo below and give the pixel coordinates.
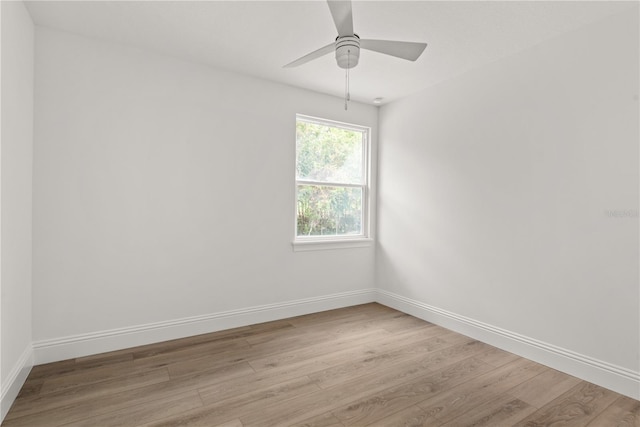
(331, 181)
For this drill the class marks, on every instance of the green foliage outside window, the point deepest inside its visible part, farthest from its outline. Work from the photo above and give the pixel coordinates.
(330, 159)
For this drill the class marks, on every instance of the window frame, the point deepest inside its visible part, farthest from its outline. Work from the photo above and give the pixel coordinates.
(303, 243)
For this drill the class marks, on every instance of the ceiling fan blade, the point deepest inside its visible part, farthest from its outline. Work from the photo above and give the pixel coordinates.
(405, 50)
(311, 56)
(342, 16)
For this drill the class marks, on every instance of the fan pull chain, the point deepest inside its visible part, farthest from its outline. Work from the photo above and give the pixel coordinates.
(346, 88)
(347, 94)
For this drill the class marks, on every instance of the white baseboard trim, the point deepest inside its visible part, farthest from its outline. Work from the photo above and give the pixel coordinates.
(69, 347)
(616, 378)
(14, 381)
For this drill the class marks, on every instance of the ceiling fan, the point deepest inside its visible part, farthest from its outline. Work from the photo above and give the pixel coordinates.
(348, 44)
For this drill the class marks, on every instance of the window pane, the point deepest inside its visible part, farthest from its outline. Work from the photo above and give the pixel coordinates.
(328, 154)
(329, 211)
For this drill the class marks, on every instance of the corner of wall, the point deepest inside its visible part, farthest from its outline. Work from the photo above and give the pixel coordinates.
(16, 156)
(15, 380)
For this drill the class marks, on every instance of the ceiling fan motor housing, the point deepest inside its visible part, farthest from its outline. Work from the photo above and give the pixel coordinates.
(348, 51)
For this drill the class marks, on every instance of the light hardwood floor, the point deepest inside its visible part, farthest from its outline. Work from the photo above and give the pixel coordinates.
(363, 365)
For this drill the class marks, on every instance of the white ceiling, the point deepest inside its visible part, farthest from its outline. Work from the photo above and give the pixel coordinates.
(258, 37)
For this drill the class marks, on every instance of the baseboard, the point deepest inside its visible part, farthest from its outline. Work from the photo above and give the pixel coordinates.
(116, 339)
(616, 378)
(14, 381)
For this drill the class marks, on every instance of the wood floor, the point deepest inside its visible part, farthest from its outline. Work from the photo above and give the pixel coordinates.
(364, 365)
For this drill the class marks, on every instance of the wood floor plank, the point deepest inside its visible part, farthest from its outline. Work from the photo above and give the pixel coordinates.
(274, 325)
(233, 423)
(101, 359)
(496, 357)
(76, 395)
(373, 309)
(302, 337)
(360, 365)
(88, 376)
(501, 411)
(315, 337)
(141, 414)
(299, 348)
(327, 328)
(157, 355)
(378, 360)
(227, 410)
(405, 322)
(317, 403)
(293, 356)
(31, 387)
(69, 413)
(264, 350)
(354, 389)
(228, 335)
(554, 384)
(51, 369)
(294, 411)
(57, 370)
(413, 416)
(404, 340)
(414, 361)
(371, 409)
(624, 412)
(577, 407)
(455, 401)
(73, 411)
(208, 377)
(323, 420)
(242, 385)
(175, 354)
(327, 317)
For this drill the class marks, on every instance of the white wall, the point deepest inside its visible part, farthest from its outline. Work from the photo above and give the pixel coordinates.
(164, 190)
(16, 142)
(508, 197)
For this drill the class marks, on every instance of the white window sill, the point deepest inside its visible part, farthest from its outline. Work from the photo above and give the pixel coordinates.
(322, 245)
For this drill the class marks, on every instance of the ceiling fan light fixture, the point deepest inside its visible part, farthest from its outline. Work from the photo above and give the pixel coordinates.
(347, 45)
(347, 51)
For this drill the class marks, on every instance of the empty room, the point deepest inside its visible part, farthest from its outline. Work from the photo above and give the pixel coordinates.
(319, 213)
